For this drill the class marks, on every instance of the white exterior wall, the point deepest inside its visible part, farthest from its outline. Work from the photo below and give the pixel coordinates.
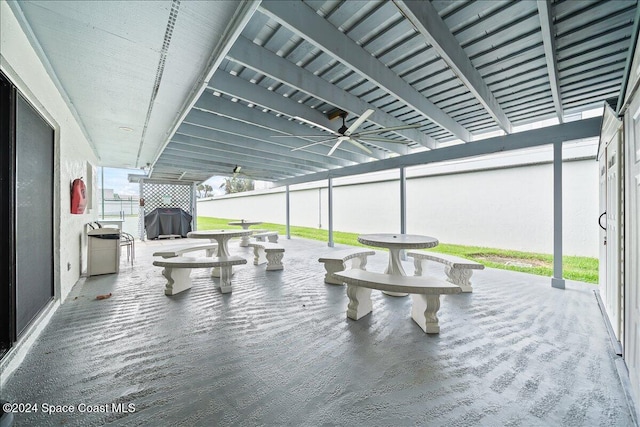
(485, 208)
(368, 208)
(509, 208)
(305, 208)
(73, 156)
(269, 207)
(631, 256)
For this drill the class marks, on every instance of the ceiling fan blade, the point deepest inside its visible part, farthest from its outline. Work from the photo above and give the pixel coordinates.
(298, 136)
(367, 132)
(335, 146)
(359, 145)
(360, 120)
(309, 145)
(309, 122)
(376, 139)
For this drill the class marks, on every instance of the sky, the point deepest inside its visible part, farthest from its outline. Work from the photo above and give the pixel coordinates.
(117, 180)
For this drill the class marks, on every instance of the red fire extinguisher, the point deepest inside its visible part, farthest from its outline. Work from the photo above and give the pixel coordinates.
(78, 196)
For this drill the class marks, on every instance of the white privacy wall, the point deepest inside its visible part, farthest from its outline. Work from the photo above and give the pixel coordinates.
(509, 208)
(367, 208)
(269, 207)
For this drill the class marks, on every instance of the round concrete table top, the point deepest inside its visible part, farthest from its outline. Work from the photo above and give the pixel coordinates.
(214, 234)
(398, 241)
(244, 223)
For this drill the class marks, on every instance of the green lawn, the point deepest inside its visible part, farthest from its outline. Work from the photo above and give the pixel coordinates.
(575, 268)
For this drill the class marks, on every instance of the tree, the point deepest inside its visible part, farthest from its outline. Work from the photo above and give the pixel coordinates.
(204, 190)
(237, 185)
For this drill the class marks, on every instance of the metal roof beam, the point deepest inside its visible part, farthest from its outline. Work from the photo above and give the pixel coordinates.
(563, 132)
(206, 142)
(268, 63)
(306, 23)
(184, 146)
(549, 42)
(218, 167)
(252, 117)
(622, 96)
(213, 127)
(180, 164)
(244, 12)
(249, 92)
(425, 18)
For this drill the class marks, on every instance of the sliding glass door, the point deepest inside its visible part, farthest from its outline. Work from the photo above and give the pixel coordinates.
(26, 214)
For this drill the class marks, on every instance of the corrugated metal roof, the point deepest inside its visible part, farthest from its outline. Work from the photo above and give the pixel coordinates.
(233, 86)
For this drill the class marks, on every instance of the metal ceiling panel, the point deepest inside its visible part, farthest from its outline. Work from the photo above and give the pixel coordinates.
(476, 67)
(109, 59)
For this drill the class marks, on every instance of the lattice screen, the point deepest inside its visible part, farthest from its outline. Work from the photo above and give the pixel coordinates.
(160, 195)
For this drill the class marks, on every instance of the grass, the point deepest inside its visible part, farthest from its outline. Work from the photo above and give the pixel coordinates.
(583, 269)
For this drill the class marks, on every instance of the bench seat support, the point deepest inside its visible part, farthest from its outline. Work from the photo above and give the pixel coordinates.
(458, 270)
(178, 280)
(270, 253)
(425, 292)
(424, 311)
(337, 261)
(271, 236)
(177, 271)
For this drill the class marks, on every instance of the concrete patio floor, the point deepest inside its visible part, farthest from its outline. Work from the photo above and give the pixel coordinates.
(280, 351)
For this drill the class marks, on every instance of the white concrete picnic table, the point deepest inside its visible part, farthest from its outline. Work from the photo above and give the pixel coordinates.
(244, 242)
(220, 236)
(395, 243)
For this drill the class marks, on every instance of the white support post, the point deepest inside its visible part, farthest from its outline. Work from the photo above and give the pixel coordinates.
(403, 207)
(141, 210)
(320, 207)
(288, 213)
(194, 207)
(403, 201)
(330, 211)
(557, 281)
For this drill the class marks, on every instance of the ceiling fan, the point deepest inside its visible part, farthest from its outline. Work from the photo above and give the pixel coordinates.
(348, 134)
(237, 170)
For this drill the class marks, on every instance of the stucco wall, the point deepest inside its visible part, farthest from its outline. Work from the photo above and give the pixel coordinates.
(73, 155)
(510, 208)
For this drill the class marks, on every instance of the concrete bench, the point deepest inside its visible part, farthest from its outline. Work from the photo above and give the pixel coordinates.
(177, 271)
(272, 236)
(458, 270)
(268, 252)
(210, 249)
(336, 261)
(425, 292)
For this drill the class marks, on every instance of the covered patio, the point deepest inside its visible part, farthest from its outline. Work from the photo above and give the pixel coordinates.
(292, 93)
(279, 350)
